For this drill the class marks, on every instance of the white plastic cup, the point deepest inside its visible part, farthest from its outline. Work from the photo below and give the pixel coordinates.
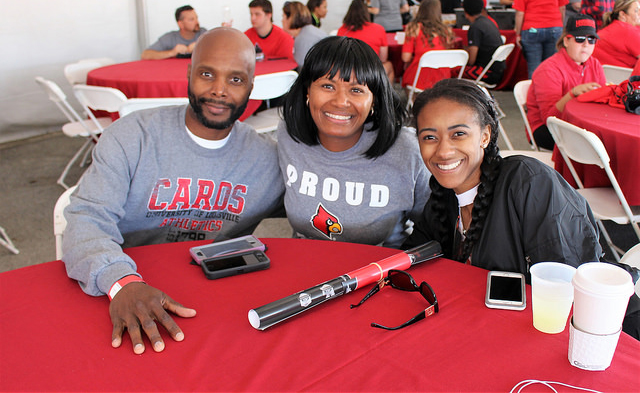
(552, 295)
(602, 292)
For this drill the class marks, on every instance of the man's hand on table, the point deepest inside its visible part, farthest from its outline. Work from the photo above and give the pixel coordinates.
(136, 308)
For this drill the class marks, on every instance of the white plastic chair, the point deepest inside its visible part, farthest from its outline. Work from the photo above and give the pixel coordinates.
(136, 104)
(449, 58)
(265, 87)
(520, 91)
(76, 73)
(500, 54)
(59, 222)
(76, 127)
(5, 241)
(99, 98)
(615, 74)
(632, 258)
(542, 156)
(607, 203)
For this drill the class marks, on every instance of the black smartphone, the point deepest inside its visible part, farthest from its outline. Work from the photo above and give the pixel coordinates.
(229, 265)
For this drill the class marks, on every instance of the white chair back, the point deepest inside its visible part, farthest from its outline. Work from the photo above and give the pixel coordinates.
(59, 222)
(446, 58)
(268, 86)
(55, 94)
(615, 74)
(76, 73)
(136, 104)
(500, 54)
(99, 98)
(580, 145)
(520, 91)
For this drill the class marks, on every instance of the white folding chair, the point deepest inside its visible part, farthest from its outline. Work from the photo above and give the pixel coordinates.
(76, 127)
(99, 98)
(59, 222)
(607, 203)
(500, 54)
(136, 104)
(615, 74)
(446, 58)
(265, 87)
(520, 91)
(542, 156)
(5, 241)
(76, 73)
(632, 258)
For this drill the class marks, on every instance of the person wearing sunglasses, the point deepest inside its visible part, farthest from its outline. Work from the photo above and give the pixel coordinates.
(567, 74)
(619, 42)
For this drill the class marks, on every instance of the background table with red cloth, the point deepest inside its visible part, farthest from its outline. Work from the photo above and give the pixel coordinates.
(55, 337)
(620, 133)
(167, 78)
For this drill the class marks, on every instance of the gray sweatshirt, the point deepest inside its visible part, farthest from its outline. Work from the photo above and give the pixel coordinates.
(151, 183)
(345, 196)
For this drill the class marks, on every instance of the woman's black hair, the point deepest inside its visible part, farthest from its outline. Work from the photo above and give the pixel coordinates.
(344, 55)
(469, 94)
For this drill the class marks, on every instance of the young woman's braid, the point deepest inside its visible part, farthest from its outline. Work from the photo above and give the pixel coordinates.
(490, 170)
(438, 214)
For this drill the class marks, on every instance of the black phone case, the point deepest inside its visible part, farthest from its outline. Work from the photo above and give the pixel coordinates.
(263, 263)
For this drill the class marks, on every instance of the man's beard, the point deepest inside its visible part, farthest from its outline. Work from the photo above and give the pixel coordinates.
(236, 111)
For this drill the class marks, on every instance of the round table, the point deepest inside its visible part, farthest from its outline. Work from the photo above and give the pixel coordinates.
(167, 78)
(619, 131)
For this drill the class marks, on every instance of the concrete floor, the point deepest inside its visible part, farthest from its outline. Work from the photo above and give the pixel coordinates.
(28, 191)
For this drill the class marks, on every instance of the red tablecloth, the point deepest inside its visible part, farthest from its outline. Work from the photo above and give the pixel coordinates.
(54, 337)
(166, 78)
(620, 134)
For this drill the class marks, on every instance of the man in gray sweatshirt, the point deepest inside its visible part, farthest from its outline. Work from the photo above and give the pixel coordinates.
(171, 174)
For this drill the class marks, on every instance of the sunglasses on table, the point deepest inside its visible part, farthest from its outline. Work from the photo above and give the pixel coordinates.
(590, 39)
(399, 279)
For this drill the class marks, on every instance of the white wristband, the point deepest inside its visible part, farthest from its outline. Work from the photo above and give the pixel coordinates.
(118, 285)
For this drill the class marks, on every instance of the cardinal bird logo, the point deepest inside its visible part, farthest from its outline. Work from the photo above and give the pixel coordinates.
(326, 222)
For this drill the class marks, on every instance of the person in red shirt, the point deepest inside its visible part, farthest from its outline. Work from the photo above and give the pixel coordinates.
(426, 32)
(274, 42)
(538, 27)
(567, 74)
(356, 24)
(619, 42)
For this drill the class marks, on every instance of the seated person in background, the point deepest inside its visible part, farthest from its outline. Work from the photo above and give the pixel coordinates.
(424, 33)
(619, 42)
(180, 42)
(352, 172)
(494, 213)
(171, 174)
(484, 38)
(274, 42)
(356, 25)
(596, 10)
(318, 9)
(296, 20)
(388, 13)
(565, 75)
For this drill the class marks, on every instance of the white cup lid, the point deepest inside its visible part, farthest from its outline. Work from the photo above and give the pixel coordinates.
(604, 279)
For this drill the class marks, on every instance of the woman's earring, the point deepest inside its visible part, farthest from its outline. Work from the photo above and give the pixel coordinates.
(307, 100)
(484, 146)
(371, 113)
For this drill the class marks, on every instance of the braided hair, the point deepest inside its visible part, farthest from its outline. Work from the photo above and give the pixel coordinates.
(469, 94)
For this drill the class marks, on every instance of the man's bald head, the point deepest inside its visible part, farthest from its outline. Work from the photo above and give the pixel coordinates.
(228, 42)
